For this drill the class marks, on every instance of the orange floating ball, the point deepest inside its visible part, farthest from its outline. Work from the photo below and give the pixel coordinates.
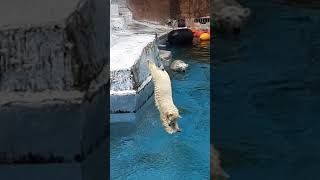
(205, 37)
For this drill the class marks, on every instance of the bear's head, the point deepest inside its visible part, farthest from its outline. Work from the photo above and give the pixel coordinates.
(231, 18)
(171, 119)
(179, 65)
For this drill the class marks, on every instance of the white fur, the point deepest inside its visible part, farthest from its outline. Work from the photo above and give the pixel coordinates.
(229, 15)
(169, 113)
(179, 65)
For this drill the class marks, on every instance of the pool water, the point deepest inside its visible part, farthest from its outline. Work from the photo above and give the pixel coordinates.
(267, 93)
(144, 151)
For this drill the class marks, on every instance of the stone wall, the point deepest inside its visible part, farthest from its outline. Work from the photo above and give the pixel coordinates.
(160, 11)
(193, 8)
(150, 10)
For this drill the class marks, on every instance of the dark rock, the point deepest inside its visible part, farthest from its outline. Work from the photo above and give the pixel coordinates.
(180, 37)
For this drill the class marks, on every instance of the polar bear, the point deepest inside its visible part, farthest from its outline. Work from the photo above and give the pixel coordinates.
(217, 173)
(179, 65)
(169, 114)
(229, 15)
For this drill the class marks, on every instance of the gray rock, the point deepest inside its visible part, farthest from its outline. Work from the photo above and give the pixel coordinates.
(165, 57)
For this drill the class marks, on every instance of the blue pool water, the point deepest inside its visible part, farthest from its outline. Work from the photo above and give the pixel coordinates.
(144, 151)
(266, 83)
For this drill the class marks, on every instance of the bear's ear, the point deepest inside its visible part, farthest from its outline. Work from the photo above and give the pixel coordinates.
(246, 12)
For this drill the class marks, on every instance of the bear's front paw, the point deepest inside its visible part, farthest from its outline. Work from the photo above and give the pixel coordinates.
(169, 130)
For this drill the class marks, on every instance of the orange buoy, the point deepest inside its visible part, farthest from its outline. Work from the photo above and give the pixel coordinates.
(205, 37)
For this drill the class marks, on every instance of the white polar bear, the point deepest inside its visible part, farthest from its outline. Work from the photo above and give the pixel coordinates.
(169, 113)
(229, 15)
(179, 65)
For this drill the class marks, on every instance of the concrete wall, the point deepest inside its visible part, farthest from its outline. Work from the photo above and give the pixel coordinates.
(160, 11)
(150, 10)
(193, 8)
(131, 86)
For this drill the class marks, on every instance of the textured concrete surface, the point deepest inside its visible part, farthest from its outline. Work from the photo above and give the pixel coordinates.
(150, 10)
(131, 84)
(161, 11)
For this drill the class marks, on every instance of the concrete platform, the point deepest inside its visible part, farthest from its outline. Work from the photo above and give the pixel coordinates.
(131, 84)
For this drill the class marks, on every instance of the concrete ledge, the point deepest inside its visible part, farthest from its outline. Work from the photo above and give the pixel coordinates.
(131, 101)
(118, 23)
(131, 84)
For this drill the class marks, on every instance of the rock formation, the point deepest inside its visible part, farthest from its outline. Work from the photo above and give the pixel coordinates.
(160, 11)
